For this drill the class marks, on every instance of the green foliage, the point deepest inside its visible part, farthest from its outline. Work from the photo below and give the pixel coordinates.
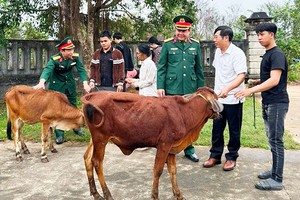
(31, 32)
(49, 19)
(287, 19)
(11, 13)
(160, 19)
(294, 72)
(25, 31)
(251, 136)
(239, 27)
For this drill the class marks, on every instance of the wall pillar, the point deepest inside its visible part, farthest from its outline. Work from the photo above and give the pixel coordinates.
(255, 50)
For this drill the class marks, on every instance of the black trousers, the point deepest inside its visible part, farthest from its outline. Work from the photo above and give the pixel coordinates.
(232, 114)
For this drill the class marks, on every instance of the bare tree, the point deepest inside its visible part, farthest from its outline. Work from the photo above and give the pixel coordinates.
(208, 19)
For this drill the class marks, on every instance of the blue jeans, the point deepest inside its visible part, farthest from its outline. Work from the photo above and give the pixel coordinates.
(274, 115)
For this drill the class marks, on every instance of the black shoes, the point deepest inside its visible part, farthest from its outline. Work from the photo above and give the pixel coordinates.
(79, 132)
(59, 140)
(193, 157)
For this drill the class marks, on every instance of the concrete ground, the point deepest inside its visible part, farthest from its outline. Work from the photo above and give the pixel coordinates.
(130, 177)
(292, 122)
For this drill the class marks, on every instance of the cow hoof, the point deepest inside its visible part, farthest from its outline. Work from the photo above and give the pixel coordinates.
(98, 197)
(19, 159)
(54, 151)
(44, 160)
(26, 151)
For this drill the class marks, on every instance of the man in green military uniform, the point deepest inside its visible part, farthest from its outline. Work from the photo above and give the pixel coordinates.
(179, 69)
(60, 75)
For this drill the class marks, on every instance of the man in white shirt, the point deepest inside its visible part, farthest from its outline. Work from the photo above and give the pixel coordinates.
(230, 71)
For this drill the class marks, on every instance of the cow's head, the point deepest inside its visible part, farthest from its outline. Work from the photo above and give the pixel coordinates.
(211, 97)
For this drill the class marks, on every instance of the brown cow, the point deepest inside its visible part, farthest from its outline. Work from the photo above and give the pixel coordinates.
(26, 105)
(132, 121)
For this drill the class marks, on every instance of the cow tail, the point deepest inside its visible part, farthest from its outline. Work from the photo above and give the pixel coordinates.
(8, 130)
(8, 125)
(90, 110)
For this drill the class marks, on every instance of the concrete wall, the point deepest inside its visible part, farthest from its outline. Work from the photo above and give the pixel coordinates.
(22, 61)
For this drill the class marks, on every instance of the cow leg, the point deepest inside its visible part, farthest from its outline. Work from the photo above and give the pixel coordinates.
(50, 141)
(171, 163)
(23, 145)
(90, 171)
(160, 159)
(44, 138)
(97, 160)
(15, 127)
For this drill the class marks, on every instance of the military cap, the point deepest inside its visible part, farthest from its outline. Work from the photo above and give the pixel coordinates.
(182, 22)
(66, 43)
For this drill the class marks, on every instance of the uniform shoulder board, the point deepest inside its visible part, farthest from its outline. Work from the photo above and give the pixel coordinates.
(76, 54)
(56, 57)
(168, 40)
(195, 40)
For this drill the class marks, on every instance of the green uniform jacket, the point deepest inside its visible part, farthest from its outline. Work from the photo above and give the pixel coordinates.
(59, 73)
(179, 69)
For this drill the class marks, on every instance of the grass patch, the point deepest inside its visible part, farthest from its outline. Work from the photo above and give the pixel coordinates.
(251, 136)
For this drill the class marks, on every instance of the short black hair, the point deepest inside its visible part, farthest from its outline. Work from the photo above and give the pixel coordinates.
(154, 40)
(144, 49)
(117, 35)
(225, 31)
(266, 26)
(105, 34)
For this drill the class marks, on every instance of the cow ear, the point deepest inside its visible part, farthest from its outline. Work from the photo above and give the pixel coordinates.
(216, 106)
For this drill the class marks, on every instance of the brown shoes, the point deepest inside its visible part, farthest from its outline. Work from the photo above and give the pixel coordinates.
(229, 165)
(211, 162)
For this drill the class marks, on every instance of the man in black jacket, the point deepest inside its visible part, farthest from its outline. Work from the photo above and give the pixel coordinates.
(123, 47)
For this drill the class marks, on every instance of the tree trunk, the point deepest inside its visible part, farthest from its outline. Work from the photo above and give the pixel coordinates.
(69, 22)
(86, 37)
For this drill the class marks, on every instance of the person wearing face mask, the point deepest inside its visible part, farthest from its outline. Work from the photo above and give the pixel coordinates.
(179, 69)
(59, 73)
